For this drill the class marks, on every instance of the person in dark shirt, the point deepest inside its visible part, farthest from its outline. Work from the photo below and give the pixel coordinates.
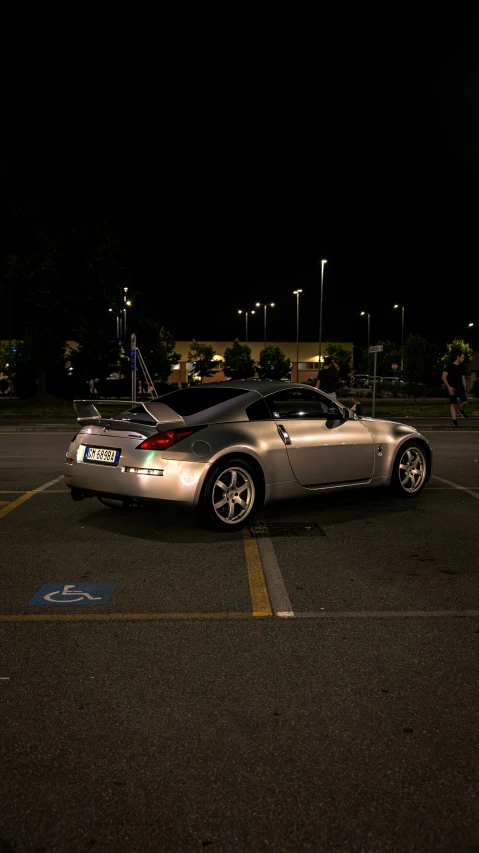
(454, 378)
(327, 377)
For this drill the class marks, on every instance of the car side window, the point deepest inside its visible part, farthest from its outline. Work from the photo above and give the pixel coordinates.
(258, 411)
(300, 404)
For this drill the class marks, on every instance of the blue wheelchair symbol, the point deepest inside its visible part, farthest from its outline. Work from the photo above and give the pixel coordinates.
(71, 593)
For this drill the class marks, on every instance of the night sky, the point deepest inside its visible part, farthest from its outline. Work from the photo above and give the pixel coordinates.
(227, 192)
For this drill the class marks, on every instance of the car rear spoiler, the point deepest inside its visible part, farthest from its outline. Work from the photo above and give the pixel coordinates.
(87, 412)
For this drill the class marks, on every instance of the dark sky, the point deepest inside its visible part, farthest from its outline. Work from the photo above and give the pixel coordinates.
(227, 192)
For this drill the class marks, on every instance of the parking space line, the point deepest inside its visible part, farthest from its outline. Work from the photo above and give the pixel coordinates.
(35, 491)
(277, 591)
(456, 486)
(122, 617)
(257, 585)
(13, 505)
(158, 617)
(50, 483)
(382, 614)
(27, 495)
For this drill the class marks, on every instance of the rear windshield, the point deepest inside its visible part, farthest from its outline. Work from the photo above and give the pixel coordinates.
(190, 401)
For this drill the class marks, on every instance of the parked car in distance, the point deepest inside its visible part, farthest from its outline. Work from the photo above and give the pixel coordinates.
(363, 380)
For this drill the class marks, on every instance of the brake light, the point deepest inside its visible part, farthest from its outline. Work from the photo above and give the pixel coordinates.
(164, 440)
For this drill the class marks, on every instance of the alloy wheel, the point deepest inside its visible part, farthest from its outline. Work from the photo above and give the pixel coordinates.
(233, 495)
(412, 469)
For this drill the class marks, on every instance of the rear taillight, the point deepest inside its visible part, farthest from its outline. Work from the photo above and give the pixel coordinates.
(164, 440)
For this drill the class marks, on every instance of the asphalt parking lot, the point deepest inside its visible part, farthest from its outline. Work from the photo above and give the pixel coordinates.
(311, 688)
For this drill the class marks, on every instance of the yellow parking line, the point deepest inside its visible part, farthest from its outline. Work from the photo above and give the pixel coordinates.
(121, 617)
(36, 491)
(13, 505)
(257, 584)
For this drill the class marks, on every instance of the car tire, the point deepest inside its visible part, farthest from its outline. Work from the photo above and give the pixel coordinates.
(232, 492)
(410, 470)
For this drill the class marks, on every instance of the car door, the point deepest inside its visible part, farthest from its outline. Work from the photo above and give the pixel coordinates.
(323, 448)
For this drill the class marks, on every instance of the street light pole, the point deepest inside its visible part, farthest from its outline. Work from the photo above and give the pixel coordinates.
(321, 314)
(265, 306)
(246, 318)
(296, 293)
(364, 314)
(402, 336)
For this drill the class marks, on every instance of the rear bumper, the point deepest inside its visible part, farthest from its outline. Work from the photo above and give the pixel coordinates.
(180, 482)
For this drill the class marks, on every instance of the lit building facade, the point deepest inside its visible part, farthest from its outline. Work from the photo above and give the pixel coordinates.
(308, 358)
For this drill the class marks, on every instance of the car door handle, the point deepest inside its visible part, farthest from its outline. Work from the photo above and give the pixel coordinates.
(283, 433)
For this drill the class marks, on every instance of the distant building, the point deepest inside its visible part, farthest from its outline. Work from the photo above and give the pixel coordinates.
(308, 357)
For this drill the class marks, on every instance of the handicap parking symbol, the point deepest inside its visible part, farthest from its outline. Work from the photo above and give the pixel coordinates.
(73, 593)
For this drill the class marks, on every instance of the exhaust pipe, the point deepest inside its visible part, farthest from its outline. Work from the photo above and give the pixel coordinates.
(78, 495)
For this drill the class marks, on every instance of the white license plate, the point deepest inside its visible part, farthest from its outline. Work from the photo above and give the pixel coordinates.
(102, 455)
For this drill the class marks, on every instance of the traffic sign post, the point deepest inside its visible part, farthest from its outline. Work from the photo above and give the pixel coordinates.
(133, 367)
(375, 350)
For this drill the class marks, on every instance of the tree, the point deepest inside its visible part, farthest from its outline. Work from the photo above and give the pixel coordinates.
(238, 363)
(105, 273)
(98, 355)
(273, 363)
(389, 355)
(421, 361)
(457, 344)
(157, 347)
(342, 357)
(203, 357)
(45, 309)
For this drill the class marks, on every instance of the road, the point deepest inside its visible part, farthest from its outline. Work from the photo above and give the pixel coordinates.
(173, 719)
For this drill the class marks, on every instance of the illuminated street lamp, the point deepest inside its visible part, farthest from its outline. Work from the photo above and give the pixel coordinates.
(402, 336)
(368, 315)
(296, 293)
(265, 306)
(246, 318)
(321, 312)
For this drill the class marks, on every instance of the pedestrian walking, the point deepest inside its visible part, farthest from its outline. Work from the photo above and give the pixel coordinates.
(454, 378)
(327, 377)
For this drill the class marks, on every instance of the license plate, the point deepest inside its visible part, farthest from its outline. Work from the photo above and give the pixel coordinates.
(102, 455)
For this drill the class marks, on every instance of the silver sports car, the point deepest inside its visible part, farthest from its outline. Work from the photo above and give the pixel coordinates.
(230, 447)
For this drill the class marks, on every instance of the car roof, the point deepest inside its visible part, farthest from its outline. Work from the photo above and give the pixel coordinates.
(225, 411)
(261, 386)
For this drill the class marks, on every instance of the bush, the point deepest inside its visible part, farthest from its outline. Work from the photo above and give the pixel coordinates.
(413, 389)
(419, 389)
(388, 389)
(166, 387)
(42, 401)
